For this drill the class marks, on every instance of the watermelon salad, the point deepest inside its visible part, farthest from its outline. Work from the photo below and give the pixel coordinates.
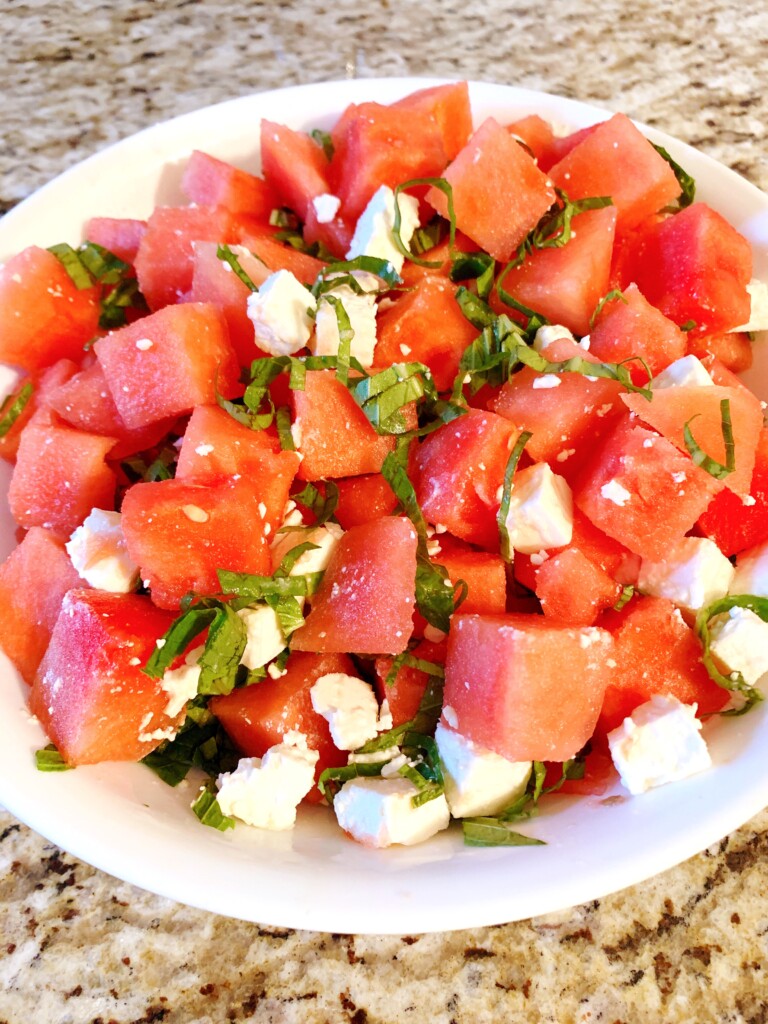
(413, 476)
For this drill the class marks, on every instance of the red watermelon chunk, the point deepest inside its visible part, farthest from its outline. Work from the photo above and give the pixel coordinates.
(29, 610)
(167, 363)
(736, 523)
(499, 194)
(44, 385)
(537, 135)
(258, 717)
(615, 159)
(565, 284)
(43, 316)
(211, 182)
(295, 166)
(277, 256)
(483, 572)
(180, 533)
(459, 472)
(363, 498)
(90, 693)
(164, 260)
(640, 490)
(525, 687)
(672, 408)
(656, 652)
(733, 350)
(60, 475)
(449, 106)
(694, 266)
(119, 235)
(633, 327)
(573, 589)
(332, 432)
(366, 599)
(406, 331)
(85, 401)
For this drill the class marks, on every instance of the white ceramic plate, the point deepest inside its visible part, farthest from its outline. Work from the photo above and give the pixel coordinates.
(122, 819)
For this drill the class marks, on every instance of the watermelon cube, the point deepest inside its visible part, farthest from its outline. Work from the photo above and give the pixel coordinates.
(736, 523)
(404, 695)
(499, 194)
(366, 598)
(211, 182)
(633, 327)
(167, 363)
(90, 693)
(524, 686)
(295, 166)
(29, 606)
(118, 235)
(363, 498)
(450, 108)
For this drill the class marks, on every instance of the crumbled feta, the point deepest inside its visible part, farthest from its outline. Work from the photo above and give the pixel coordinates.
(659, 743)
(540, 510)
(477, 780)
(758, 312)
(686, 372)
(751, 576)
(380, 812)
(325, 537)
(181, 683)
(265, 792)
(373, 231)
(693, 573)
(739, 643)
(265, 639)
(279, 314)
(613, 491)
(326, 207)
(9, 381)
(99, 554)
(349, 706)
(361, 310)
(546, 381)
(549, 333)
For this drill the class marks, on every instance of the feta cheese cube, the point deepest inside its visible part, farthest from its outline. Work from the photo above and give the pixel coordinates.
(686, 372)
(751, 576)
(361, 310)
(540, 510)
(265, 792)
(739, 643)
(549, 333)
(9, 381)
(349, 706)
(477, 780)
(758, 313)
(265, 639)
(98, 552)
(660, 742)
(693, 574)
(373, 231)
(181, 683)
(326, 207)
(380, 812)
(613, 491)
(279, 314)
(325, 537)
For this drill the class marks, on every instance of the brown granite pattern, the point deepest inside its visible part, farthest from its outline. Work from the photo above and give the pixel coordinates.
(688, 947)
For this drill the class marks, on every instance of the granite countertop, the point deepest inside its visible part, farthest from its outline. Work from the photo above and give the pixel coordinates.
(78, 946)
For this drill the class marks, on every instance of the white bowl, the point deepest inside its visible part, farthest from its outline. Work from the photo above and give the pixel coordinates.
(122, 819)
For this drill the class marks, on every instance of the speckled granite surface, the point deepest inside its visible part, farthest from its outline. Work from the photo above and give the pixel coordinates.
(687, 947)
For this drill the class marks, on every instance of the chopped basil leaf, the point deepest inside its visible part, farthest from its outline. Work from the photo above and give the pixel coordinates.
(324, 140)
(283, 424)
(76, 270)
(554, 230)
(259, 588)
(14, 406)
(368, 264)
(225, 254)
(224, 648)
(627, 593)
(248, 413)
(435, 594)
(346, 335)
(734, 681)
(382, 396)
(492, 832)
(576, 364)
(283, 217)
(321, 506)
(288, 610)
(445, 188)
(428, 237)
(102, 264)
(177, 638)
(700, 457)
(490, 358)
(475, 309)
(686, 182)
(422, 724)
(427, 790)
(506, 496)
(534, 319)
(408, 660)
(689, 325)
(114, 304)
(207, 809)
(615, 295)
(475, 265)
(332, 779)
(201, 742)
(162, 467)
(48, 759)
